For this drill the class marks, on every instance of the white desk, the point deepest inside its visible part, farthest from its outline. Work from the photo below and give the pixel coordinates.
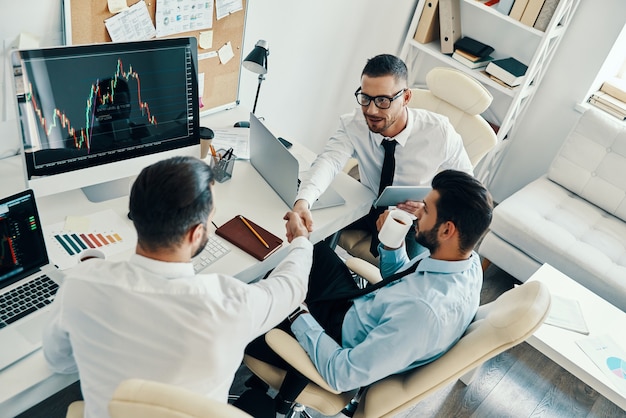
(560, 344)
(29, 381)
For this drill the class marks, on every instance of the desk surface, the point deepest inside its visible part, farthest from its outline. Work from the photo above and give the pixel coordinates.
(29, 381)
(559, 344)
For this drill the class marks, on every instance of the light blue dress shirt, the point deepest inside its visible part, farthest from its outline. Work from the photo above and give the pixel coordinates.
(405, 324)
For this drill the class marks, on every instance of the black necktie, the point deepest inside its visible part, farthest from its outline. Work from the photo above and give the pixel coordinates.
(389, 165)
(386, 179)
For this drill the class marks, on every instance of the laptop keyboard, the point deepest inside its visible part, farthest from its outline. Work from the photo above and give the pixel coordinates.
(26, 299)
(215, 249)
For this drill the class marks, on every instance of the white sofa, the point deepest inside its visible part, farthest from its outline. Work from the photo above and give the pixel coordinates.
(574, 217)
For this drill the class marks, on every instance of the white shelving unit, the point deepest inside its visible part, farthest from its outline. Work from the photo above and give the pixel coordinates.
(508, 37)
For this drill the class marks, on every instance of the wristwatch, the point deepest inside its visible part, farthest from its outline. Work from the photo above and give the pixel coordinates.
(292, 316)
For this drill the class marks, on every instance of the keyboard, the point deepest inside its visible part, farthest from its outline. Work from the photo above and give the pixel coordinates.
(26, 299)
(215, 249)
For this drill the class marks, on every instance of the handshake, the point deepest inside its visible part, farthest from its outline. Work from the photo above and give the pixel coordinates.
(295, 226)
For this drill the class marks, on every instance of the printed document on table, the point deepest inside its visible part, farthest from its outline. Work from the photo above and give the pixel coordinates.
(566, 313)
(608, 356)
(236, 138)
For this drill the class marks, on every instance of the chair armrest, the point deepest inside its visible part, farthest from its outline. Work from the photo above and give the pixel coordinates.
(292, 352)
(364, 269)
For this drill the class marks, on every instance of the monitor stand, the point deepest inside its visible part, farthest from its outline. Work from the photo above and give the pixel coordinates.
(108, 190)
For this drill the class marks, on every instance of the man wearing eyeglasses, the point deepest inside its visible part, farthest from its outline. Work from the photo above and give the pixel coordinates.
(425, 143)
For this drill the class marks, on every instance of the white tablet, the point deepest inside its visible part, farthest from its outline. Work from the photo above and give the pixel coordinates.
(392, 195)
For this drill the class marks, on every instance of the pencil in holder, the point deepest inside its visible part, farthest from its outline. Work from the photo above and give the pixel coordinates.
(222, 165)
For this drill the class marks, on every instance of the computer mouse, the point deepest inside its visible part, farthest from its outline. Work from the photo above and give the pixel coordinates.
(242, 124)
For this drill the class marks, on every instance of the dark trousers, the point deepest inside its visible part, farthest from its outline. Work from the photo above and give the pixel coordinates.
(331, 288)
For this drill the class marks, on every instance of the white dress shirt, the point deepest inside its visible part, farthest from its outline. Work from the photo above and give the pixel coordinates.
(427, 145)
(160, 321)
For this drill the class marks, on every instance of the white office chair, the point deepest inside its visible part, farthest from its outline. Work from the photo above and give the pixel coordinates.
(462, 99)
(138, 398)
(498, 326)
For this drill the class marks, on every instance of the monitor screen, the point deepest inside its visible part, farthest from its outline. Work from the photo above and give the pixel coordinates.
(88, 113)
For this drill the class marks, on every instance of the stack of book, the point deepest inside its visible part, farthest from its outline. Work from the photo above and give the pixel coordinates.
(507, 71)
(611, 98)
(472, 53)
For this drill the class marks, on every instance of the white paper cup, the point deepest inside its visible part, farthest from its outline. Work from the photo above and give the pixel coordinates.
(205, 146)
(395, 228)
(90, 253)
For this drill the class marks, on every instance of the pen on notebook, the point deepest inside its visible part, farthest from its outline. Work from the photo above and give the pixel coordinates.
(253, 231)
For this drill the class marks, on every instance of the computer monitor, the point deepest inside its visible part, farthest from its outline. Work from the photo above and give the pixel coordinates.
(93, 116)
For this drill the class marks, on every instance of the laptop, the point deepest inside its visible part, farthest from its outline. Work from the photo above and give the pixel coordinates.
(280, 168)
(28, 282)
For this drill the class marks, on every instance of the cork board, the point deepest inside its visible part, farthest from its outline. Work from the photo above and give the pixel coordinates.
(84, 22)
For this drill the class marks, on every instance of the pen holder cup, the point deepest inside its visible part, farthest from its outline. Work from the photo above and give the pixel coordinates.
(222, 167)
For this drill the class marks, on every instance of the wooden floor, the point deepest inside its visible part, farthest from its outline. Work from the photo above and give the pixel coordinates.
(520, 382)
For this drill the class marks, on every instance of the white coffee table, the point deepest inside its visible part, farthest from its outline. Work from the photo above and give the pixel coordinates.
(560, 345)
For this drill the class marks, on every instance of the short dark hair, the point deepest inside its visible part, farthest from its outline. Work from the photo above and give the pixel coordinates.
(464, 201)
(168, 198)
(384, 65)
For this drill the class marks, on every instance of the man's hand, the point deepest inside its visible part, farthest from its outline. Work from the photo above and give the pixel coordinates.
(295, 226)
(381, 220)
(301, 207)
(410, 206)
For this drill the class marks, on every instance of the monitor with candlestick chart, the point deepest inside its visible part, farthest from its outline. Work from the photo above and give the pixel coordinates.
(92, 116)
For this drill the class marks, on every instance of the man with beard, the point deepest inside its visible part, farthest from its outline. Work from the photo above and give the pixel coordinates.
(152, 316)
(416, 144)
(420, 309)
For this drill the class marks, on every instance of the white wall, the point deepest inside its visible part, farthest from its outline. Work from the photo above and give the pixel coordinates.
(551, 114)
(318, 49)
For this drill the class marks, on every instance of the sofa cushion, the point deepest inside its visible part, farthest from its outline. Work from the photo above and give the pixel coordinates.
(553, 225)
(592, 162)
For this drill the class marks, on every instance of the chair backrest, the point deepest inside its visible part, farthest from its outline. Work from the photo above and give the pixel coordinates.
(498, 326)
(462, 99)
(138, 398)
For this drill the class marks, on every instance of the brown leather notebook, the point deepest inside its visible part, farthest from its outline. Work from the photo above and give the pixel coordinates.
(240, 234)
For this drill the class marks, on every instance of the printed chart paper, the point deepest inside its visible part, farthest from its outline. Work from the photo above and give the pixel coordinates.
(105, 231)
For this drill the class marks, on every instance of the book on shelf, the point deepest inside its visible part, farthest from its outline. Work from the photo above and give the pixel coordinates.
(608, 109)
(566, 313)
(479, 62)
(545, 15)
(531, 12)
(509, 70)
(449, 24)
(428, 23)
(473, 48)
(518, 9)
(609, 100)
(616, 87)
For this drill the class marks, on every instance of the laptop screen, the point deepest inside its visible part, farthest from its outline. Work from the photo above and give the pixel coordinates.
(22, 246)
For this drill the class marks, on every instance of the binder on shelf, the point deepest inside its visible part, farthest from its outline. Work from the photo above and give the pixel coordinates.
(504, 6)
(531, 12)
(545, 15)
(428, 23)
(449, 24)
(518, 9)
(237, 232)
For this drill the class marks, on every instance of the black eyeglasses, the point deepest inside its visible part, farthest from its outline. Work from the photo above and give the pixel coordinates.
(381, 102)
